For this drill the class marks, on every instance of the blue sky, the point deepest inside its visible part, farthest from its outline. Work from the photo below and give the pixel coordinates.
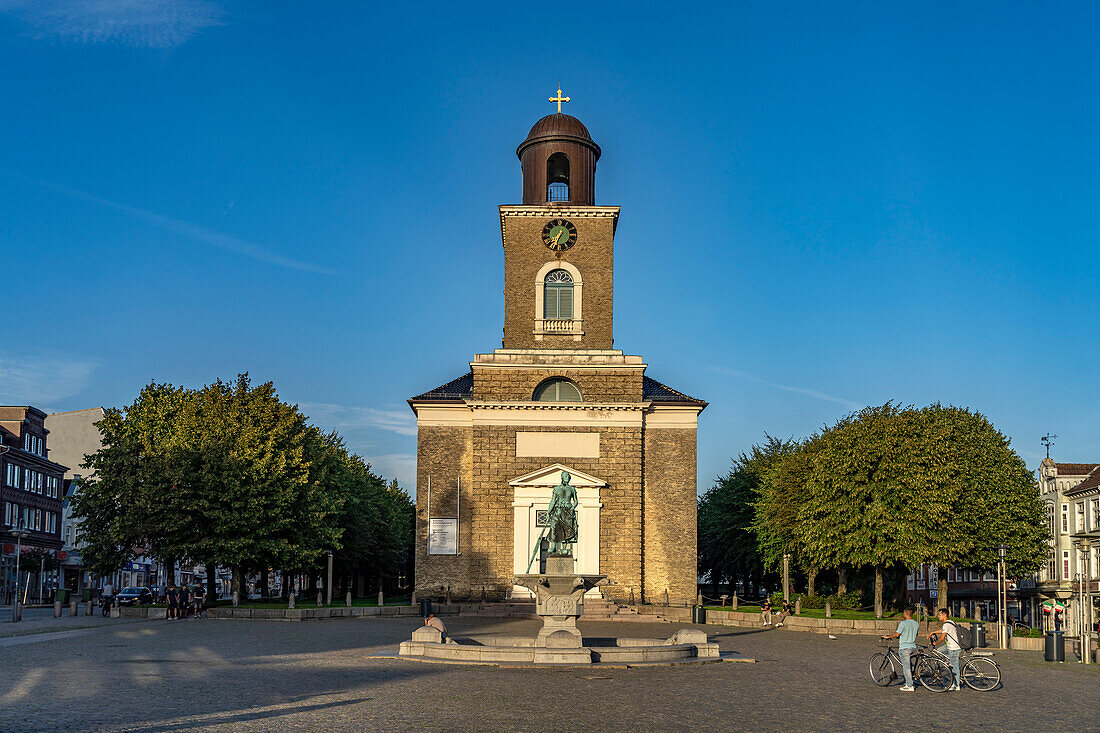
(824, 206)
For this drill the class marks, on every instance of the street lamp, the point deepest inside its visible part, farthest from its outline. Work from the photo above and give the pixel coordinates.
(19, 533)
(786, 576)
(1002, 594)
(1085, 598)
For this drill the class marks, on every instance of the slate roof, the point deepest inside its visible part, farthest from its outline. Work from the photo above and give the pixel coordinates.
(1090, 483)
(459, 389)
(456, 389)
(1075, 469)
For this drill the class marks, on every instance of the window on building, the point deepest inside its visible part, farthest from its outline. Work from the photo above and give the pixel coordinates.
(38, 520)
(1079, 520)
(11, 514)
(1052, 566)
(1065, 564)
(1094, 515)
(1050, 518)
(557, 302)
(1065, 518)
(10, 475)
(557, 390)
(557, 177)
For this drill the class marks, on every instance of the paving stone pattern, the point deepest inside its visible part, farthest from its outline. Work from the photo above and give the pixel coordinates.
(271, 676)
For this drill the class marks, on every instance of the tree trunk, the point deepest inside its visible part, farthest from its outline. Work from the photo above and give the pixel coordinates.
(879, 583)
(811, 581)
(265, 590)
(941, 588)
(238, 581)
(842, 580)
(211, 583)
(170, 571)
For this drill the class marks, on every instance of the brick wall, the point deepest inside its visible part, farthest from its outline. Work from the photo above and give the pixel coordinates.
(524, 254)
(596, 385)
(670, 514)
(445, 454)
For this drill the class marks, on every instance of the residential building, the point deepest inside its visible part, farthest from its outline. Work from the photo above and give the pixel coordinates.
(30, 498)
(1071, 507)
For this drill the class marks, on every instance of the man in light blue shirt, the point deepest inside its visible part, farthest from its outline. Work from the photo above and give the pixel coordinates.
(907, 643)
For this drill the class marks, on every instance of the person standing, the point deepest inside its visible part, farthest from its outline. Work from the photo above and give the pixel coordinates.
(200, 600)
(949, 635)
(766, 612)
(173, 601)
(907, 644)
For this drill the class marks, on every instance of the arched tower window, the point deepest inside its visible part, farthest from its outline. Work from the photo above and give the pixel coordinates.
(557, 389)
(557, 299)
(557, 177)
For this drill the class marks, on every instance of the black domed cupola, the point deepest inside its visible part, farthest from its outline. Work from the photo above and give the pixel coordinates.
(558, 159)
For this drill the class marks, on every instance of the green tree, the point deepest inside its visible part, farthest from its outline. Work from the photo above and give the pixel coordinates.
(728, 546)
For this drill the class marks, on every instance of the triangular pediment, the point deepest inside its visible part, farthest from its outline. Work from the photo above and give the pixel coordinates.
(551, 476)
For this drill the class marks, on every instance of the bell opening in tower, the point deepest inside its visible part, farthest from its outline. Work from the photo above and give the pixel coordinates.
(557, 177)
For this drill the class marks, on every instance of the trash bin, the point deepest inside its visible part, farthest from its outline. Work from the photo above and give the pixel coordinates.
(425, 607)
(1054, 648)
(978, 630)
(85, 595)
(698, 615)
(63, 596)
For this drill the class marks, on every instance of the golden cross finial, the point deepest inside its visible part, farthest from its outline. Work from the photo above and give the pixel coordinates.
(559, 99)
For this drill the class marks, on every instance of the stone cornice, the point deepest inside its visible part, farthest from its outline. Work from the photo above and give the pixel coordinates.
(553, 210)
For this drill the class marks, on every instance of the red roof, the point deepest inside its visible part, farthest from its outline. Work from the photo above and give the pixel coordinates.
(1075, 469)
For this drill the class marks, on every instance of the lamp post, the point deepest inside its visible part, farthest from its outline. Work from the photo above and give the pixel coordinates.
(1002, 595)
(19, 533)
(1085, 600)
(328, 581)
(786, 576)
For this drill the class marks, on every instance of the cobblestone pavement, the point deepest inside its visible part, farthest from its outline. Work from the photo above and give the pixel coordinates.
(41, 620)
(159, 676)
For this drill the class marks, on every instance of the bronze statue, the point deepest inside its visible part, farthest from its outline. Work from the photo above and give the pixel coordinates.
(562, 517)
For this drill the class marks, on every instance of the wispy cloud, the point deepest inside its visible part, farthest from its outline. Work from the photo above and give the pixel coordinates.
(814, 393)
(40, 380)
(138, 23)
(346, 418)
(401, 466)
(194, 232)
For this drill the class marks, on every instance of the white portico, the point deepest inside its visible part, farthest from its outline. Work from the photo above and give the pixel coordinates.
(530, 505)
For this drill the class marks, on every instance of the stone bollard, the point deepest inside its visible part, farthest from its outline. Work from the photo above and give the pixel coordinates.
(57, 609)
(412, 599)
(17, 612)
(978, 613)
(828, 609)
(666, 596)
(73, 608)
(632, 596)
(798, 606)
(699, 600)
(320, 601)
(88, 608)
(236, 598)
(381, 601)
(448, 595)
(347, 600)
(290, 601)
(733, 602)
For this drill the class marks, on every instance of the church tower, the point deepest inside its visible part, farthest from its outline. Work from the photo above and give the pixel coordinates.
(558, 396)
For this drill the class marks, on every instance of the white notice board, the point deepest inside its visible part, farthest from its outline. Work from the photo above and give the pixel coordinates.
(443, 536)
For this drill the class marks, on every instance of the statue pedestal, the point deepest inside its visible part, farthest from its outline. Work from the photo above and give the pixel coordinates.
(559, 601)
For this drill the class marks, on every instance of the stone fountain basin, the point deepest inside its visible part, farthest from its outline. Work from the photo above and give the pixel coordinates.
(681, 647)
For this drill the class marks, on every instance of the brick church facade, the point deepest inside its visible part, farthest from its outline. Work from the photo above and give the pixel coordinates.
(492, 443)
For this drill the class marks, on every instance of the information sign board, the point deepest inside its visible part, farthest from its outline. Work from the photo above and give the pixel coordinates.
(443, 536)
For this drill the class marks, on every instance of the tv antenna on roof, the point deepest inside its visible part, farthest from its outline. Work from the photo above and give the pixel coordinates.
(1048, 440)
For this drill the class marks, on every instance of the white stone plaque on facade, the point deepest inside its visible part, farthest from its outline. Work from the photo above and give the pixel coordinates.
(443, 536)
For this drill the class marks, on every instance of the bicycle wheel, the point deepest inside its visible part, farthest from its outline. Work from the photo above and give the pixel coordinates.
(981, 674)
(882, 669)
(935, 674)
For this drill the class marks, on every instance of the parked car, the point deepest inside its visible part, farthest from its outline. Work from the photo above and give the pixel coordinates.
(135, 597)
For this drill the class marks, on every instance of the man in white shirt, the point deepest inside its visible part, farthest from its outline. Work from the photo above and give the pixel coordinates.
(949, 635)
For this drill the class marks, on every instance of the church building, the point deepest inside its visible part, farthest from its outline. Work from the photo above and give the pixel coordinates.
(492, 443)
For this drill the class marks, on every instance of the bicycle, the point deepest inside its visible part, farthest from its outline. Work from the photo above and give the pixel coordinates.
(977, 672)
(931, 670)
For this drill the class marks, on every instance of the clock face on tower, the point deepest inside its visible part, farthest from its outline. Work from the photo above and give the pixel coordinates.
(559, 235)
